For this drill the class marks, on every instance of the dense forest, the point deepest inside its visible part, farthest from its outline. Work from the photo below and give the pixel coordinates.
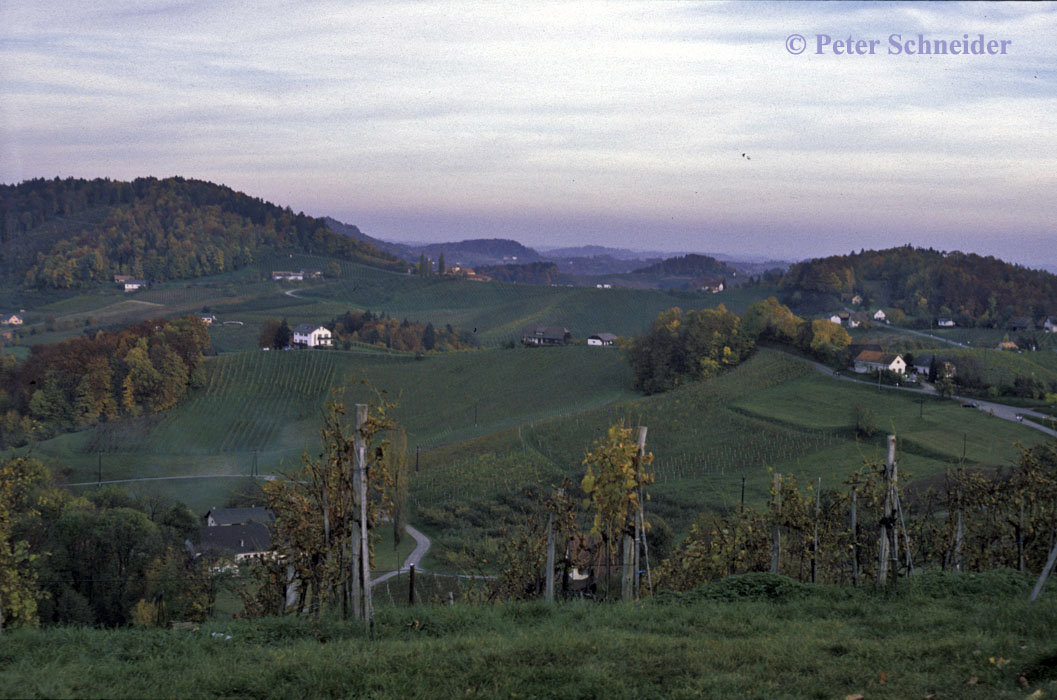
(141, 369)
(688, 266)
(685, 346)
(542, 273)
(923, 282)
(101, 559)
(69, 233)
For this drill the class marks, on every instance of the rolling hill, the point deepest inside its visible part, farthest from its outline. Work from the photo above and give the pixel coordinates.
(62, 234)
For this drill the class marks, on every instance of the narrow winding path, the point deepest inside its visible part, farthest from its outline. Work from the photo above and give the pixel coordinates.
(422, 545)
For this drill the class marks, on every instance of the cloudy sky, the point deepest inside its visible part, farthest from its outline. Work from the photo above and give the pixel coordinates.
(559, 124)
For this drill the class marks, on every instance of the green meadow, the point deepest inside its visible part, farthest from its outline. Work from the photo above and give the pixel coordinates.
(752, 636)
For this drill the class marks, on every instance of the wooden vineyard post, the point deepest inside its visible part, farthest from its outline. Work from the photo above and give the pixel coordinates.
(1046, 571)
(549, 573)
(640, 527)
(854, 539)
(959, 535)
(814, 546)
(627, 586)
(1020, 539)
(360, 482)
(884, 543)
(776, 535)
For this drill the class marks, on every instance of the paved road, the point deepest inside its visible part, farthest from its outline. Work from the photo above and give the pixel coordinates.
(422, 545)
(998, 410)
(955, 343)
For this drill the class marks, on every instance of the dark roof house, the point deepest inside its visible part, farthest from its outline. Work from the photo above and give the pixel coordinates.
(217, 517)
(545, 335)
(240, 541)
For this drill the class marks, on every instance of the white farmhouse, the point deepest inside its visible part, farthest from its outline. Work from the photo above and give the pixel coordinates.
(10, 320)
(310, 336)
(601, 339)
(880, 315)
(871, 360)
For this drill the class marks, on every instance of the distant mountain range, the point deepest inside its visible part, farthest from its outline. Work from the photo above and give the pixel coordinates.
(571, 261)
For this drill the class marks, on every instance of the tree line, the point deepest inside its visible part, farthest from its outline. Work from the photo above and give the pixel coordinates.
(71, 233)
(144, 368)
(685, 346)
(376, 329)
(925, 283)
(105, 558)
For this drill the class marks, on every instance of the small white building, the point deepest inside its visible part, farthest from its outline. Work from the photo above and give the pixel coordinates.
(857, 299)
(11, 320)
(871, 360)
(1050, 324)
(207, 319)
(834, 319)
(601, 339)
(310, 336)
(880, 315)
(133, 285)
(945, 323)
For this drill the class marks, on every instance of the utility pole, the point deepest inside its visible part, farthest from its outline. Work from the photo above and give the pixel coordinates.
(99, 464)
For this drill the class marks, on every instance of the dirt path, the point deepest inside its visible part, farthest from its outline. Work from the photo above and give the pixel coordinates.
(422, 545)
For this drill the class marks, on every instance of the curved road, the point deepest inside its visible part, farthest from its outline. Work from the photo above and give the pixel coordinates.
(422, 545)
(998, 410)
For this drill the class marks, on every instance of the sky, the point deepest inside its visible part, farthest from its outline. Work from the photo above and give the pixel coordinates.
(662, 126)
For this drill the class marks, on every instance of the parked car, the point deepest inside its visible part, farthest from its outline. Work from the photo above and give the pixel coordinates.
(970, 404)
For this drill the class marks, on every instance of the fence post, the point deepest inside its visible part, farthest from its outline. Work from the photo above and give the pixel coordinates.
(549, 573)
(854, 539)
(411, 586)
(1044, 575)
(776, 535)
(640, 526)
(814, 547)
(365, 555)
(888, 517)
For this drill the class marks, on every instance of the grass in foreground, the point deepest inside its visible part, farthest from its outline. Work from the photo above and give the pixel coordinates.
(754, 636)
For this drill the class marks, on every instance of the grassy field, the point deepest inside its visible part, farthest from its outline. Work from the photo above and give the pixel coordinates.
(266, 406)
(490, 424)
(756, 636)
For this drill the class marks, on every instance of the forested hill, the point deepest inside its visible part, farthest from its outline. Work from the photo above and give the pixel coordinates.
(923, 282)
(72, 232)
(688, 266)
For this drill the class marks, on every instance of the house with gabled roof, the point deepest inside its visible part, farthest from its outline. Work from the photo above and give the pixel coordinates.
(601, 339)
(874, 361)
(307, 335)
(221, 517)
(545, 335)
(11, 320)
(1049, 324)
